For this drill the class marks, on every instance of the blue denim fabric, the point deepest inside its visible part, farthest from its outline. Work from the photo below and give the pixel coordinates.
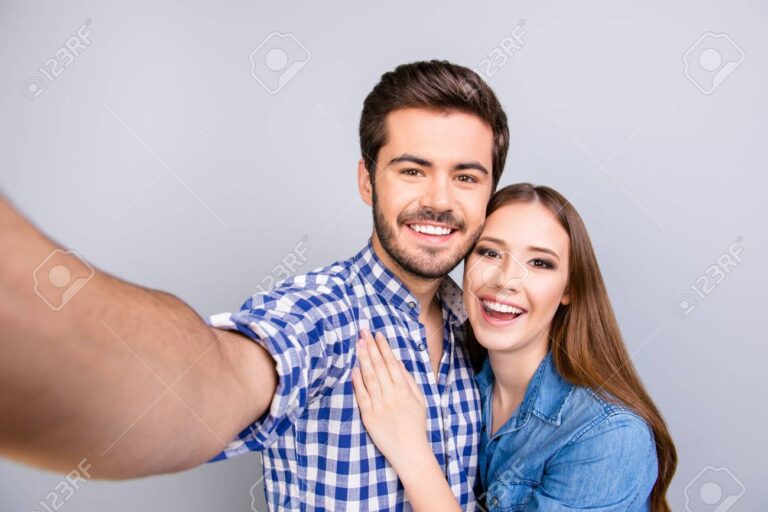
(564, 448)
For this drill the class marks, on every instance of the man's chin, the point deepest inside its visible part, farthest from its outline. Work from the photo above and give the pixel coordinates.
(427, 263)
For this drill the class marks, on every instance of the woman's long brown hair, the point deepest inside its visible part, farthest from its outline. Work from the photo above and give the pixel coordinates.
(586, 343)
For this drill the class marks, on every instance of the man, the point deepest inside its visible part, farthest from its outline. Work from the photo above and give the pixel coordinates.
(274, 376)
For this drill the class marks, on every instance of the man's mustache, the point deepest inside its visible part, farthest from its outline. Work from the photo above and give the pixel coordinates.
(427, 215)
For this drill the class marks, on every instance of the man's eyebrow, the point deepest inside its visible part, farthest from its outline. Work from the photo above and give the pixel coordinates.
(472, 165)
(407, 157)
(531, 248)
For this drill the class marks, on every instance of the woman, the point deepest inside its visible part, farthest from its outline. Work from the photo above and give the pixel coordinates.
(567, 424)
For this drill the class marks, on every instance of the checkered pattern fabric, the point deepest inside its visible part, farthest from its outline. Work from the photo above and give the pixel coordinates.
(316, 453)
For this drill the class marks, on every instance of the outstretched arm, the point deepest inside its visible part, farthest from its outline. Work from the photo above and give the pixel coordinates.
(393, 411)
(129, 378)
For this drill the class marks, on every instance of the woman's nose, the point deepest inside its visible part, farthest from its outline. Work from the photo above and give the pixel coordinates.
(508, 274)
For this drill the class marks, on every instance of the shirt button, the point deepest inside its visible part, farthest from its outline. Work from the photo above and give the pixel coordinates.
(411, 304)
(494, 501)
(422, 347)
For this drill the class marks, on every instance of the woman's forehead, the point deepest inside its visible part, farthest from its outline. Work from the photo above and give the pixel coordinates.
(526, 223)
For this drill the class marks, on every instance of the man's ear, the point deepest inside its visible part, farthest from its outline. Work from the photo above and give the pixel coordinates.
(364, 185)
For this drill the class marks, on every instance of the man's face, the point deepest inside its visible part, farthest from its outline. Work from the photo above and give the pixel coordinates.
(431, 187)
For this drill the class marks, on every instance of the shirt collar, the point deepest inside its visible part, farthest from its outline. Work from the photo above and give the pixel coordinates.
(392, 289)
(545, 395)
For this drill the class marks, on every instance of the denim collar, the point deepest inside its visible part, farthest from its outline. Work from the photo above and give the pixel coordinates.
(392, 289)
(545, 396)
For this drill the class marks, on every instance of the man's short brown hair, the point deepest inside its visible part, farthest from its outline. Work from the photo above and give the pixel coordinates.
(436, 84)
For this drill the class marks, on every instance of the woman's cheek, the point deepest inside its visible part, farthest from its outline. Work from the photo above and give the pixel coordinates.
(545, 293)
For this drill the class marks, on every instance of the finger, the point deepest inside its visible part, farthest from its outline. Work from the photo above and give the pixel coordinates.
(367, 371)
(391, 362)
(358, 388)
(382, 374)
(412, 385)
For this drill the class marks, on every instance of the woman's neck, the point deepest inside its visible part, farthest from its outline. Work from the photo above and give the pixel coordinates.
(513, 371)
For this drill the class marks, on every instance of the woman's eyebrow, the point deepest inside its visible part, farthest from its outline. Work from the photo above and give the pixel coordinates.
(543, 249)
(498, 241)
(531, 248)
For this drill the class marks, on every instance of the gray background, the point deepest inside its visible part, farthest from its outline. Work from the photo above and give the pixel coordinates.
(160, 158)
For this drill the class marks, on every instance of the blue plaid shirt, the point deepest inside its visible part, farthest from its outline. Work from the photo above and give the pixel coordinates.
(316, 452)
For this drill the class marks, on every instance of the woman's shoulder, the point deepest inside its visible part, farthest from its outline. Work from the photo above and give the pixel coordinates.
(607, 455)
(595, 413)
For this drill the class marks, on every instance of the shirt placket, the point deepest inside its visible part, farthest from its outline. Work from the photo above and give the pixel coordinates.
(440, 392)
(434, 399)
(445, 402)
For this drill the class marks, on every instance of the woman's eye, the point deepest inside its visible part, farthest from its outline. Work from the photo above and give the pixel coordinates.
(490, 253)
(542, 263)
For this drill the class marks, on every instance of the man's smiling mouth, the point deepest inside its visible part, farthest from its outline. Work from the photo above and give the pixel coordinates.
(432, 229)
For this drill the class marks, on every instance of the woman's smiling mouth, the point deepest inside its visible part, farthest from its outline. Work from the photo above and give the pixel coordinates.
(498, 313)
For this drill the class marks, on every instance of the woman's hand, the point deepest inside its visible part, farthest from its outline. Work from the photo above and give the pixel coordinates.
(391, 404)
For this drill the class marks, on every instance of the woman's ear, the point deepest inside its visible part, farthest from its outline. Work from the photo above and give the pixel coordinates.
(566, 298)
(364, 185)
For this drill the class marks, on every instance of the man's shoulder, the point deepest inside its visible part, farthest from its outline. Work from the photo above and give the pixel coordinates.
(332, 283)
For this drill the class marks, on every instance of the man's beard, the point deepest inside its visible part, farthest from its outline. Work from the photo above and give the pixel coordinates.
(426, 266)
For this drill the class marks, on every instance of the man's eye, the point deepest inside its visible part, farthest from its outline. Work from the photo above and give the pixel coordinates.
(466, 178)
(538, 262)
(410, 172)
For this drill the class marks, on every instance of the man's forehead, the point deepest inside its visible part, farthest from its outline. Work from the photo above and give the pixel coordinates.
(405, 119)
(438, 137)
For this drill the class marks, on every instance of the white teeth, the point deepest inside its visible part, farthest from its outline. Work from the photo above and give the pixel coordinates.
(501, 308)
(429, 229)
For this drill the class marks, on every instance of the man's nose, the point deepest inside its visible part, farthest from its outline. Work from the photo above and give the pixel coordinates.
(438, 194)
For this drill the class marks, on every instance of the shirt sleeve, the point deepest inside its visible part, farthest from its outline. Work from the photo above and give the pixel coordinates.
(612, 467)
(305, 324)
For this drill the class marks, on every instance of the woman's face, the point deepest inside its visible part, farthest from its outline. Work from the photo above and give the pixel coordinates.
(515, 278)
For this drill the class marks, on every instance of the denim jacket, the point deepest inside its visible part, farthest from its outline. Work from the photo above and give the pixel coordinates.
(564, 448)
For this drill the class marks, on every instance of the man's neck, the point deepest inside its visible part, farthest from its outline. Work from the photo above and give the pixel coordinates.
(423, 289)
